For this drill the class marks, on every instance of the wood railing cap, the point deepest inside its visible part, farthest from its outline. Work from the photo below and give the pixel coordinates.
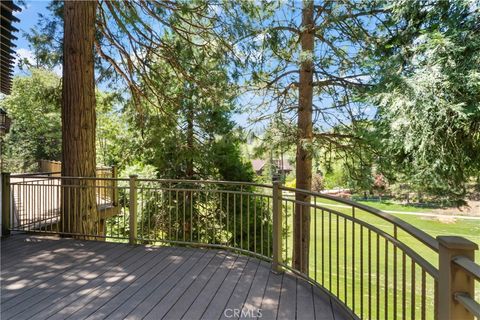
(456, 243)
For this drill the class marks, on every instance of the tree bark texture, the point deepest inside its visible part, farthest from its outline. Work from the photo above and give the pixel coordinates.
(301, 228)
(79, 209)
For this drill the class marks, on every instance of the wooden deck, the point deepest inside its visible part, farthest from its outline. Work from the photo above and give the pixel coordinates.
(46, 277)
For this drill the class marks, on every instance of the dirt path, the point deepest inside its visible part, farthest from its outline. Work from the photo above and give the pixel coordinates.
(471, 209)
(449, 213)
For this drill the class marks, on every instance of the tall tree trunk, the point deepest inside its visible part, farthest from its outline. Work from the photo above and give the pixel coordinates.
(301, 230)
(79, 209)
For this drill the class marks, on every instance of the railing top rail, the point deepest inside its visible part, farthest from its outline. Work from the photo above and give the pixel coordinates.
(21, 175)
(239, 183)
(427, 266)
(68, 178)
(469, 265)
(471, 305)
(246, 183)
(405, 226)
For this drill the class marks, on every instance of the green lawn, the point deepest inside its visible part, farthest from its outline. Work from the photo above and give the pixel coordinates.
(347, 254)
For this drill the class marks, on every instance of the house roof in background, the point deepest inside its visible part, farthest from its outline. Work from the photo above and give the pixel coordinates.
(7, 53)
(258, 164)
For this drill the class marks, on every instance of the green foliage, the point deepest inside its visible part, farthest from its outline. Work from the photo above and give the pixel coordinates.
(46, 39)
(334, 178)
(429, 116)
(190, 136)
(115, 141)
(34, 107)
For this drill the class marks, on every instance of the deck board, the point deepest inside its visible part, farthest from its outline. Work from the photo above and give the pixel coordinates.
(68, 304)
(202, 301)
(253, 302)
(271, 297)
(287, 308)
(55, 278)
(305, 308)
(188, 297)
(117, 303)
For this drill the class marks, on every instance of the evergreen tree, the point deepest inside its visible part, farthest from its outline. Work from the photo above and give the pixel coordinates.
(307, 59)
(428, 121)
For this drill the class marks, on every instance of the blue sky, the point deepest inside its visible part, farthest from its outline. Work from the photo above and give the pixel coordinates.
(28, 18)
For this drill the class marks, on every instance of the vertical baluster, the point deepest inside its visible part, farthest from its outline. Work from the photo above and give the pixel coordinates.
(301, 210)
(59, 204)
(386, 279)
(435, 298)
(46, 201)
(234, 220)
(369, 274)
(76, 209)
(286, 228)
(241, 217)
(29, 206)
(404, 286)
(133, 210)
(353, 259)
(157, 209)
(413, 291)
(184, 214)
(208, 217)
(199, 200)
(378, 276)
(255, 223)
(323, 248)
(395, 272)
(191, 193)
(345, 260)
(268, 227)
(337, 249)
(176, 213)
(153, 209)
(228, 216)
(261, 224)
(198, 212)
(142, 213)
(330, 251)
(423, 293)
(248, 223)
(315, 236)
(124, 214)
(169, 211)
(220, 220)
(361, 271)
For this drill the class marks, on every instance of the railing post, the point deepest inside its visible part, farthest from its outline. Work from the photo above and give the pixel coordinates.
(277, 226)
(453, 279)
(114, 186)
(6, 204)
(133, 210)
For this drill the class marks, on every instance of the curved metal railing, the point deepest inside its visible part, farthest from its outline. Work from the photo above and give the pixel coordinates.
(378, 266)
(360, 255)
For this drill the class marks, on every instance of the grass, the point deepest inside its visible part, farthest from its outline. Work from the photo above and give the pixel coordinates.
(346, 256)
